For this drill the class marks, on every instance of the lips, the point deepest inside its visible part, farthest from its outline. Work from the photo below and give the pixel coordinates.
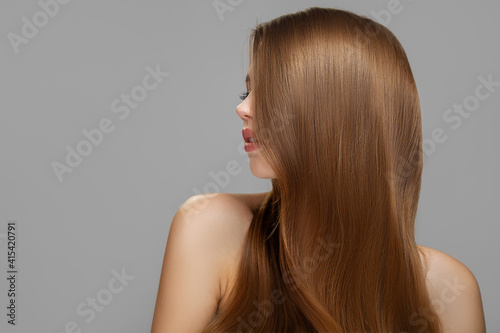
(250, 142)
(248, 135)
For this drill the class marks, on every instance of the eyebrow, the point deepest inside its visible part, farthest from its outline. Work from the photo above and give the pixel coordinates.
(247, 80)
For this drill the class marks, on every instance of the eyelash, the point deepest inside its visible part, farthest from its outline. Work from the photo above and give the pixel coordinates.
(244, 95)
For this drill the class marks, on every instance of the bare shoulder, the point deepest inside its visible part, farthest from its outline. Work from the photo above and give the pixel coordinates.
(225, 212)
(222, 217)
(206, 235)
(214, 205)
(226, 218)
(454, 292)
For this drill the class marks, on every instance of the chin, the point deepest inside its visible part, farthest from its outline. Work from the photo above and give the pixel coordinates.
(260, 169)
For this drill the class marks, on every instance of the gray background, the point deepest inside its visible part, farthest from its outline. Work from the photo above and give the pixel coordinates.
(114, 210)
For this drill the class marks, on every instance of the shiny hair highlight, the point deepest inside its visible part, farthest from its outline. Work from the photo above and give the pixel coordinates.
(332, 246)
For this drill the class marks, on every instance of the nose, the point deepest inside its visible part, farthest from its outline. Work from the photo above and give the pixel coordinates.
(243, 110)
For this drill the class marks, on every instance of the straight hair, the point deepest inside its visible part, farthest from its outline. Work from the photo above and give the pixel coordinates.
(332, 247)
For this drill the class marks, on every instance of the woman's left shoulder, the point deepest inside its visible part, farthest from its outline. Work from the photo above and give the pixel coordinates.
(454, 292)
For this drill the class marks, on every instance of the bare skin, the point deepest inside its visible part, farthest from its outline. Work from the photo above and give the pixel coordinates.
(223, 222)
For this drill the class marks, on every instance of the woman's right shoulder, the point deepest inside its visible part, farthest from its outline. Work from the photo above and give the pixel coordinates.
(221, 206)
(225, 217)
(218, 206)
(224, 220)
(206, 237)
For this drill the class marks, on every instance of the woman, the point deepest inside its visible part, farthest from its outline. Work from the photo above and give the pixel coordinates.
(331, 115)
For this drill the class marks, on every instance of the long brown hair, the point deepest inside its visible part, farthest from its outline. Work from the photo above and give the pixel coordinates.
(332, 246)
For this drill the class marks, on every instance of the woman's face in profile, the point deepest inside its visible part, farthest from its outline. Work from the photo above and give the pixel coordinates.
(258, 165)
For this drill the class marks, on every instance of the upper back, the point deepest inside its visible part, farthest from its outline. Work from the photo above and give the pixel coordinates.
(452, 288)
(206, 242)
